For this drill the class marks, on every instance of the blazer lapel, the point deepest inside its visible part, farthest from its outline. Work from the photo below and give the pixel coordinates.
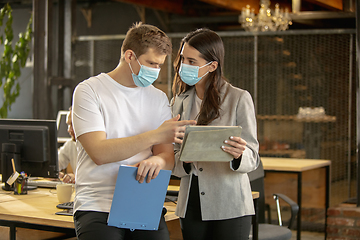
(187, 103)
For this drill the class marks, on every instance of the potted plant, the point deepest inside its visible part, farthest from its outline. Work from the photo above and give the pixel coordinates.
(12, 59)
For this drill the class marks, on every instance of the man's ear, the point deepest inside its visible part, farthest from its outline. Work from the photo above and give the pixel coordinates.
(128, 55)
(213, 66)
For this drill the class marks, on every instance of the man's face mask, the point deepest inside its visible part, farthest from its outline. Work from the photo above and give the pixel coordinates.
(189, 74)
(146, 76)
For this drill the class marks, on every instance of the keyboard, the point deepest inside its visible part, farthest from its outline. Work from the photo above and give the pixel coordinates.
(67, 205)
(67, 208)
(66, 212)
(44, 183)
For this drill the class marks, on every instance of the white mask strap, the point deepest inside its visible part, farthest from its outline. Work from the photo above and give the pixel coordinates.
(137, 61)
(206, 65)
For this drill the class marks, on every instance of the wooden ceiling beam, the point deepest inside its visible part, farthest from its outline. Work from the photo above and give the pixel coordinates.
(330, 4)
(163, 5)
(235, 5)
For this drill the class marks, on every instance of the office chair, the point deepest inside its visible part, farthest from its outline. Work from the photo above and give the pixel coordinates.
(268, 231)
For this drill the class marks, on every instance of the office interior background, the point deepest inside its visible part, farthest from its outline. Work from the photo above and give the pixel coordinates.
(311, 66)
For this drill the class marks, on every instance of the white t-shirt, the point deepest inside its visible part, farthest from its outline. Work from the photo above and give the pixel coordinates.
(68, 154)
(102, 104)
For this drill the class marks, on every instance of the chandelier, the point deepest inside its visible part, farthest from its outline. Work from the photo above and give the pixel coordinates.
(279, 20)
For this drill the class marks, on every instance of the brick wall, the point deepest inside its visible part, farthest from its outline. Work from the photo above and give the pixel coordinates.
(343, 222)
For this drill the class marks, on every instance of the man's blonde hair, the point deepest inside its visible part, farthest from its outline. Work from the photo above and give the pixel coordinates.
(141, 37)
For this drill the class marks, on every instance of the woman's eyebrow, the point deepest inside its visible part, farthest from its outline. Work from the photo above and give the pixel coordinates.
(192, 59)
(188, 58)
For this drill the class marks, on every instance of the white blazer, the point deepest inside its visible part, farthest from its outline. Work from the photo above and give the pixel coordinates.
(224, 187)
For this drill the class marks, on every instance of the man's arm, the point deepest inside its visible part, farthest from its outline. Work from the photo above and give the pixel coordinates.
(102, 150)
(163, 158)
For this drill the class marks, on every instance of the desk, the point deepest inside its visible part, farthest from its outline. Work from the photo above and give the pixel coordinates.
(298, 167)
(36, 210)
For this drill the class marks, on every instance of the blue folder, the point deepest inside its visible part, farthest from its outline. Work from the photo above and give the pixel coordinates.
(138, 205)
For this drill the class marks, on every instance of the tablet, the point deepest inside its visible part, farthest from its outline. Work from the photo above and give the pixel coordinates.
(203, 143)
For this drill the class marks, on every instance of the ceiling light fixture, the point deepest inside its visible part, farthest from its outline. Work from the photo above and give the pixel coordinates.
(279, 20)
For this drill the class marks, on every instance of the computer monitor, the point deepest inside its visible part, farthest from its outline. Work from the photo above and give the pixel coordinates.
(36, 147)
(62, 133)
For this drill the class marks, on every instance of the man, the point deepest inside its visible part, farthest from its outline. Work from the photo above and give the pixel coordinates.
(120, 118)
(68, 155)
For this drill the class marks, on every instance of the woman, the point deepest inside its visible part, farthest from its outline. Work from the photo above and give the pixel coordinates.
(215, 200)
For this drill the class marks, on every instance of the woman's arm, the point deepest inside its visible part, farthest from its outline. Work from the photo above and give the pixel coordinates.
(245, 148)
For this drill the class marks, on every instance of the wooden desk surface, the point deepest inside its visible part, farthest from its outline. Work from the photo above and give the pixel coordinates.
(39, 207)
(293, 164)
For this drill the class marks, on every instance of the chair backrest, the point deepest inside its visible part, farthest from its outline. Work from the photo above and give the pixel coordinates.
(257, 184)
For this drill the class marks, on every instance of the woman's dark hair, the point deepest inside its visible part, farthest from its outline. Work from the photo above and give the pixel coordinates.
(211, 48)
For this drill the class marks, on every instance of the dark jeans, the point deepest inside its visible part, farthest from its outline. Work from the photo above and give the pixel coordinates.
(91, 225)
(193, 228)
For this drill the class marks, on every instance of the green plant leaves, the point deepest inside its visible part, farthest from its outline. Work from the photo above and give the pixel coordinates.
(12, 59)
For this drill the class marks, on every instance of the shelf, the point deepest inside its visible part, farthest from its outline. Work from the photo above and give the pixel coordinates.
(325, 118)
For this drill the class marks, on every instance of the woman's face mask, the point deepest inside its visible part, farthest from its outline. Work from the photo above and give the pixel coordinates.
(146, 75)
(189, 74)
